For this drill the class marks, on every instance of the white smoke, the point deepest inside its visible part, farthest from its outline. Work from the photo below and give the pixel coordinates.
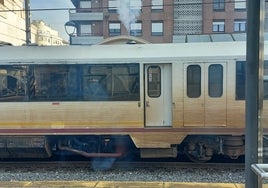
(129, 11)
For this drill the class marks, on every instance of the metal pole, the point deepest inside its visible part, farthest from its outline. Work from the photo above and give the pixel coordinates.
(27, 22)
(255, 15)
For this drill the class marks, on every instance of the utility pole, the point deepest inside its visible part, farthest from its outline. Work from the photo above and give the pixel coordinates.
(254, 91)
(27, 22)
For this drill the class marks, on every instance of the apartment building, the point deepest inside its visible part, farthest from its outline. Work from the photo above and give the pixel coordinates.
(157, 21)
(45, 35)
(96, 20)
(222, 16)
(12, 23)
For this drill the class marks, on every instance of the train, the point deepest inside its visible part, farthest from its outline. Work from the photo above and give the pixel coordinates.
(106, 101)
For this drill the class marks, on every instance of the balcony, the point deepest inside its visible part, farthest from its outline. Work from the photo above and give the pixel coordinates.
(85, 16)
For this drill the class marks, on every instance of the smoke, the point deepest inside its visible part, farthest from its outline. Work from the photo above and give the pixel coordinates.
(128, 11)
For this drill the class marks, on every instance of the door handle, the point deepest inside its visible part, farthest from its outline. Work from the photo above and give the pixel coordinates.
(147, 104)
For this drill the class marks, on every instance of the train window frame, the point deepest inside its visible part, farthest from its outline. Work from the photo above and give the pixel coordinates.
(215, 81)
(194, 82)
(152, 83)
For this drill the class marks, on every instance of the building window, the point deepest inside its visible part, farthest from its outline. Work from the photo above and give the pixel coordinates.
(218, 26)
(114, 29)
(113, 5)
(135, 4)
(157, 28)
(193, 81)
(85, 29)
(215, 80)
(239, 25)
(135, 29)
(157, 5)
(85, 4)
(218, 5)
(240, 5)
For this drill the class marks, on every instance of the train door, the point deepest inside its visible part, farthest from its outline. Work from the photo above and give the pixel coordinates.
(158, 95)
(204, 94)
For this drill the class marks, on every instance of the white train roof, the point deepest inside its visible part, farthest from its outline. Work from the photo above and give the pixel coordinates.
(121, 53)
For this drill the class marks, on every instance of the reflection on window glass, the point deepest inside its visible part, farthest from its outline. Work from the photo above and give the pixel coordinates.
(215, 80)
(117, 82)
(193, 81)
(154, 81)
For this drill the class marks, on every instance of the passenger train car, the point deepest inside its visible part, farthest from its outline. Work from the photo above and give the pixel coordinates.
(101, 100)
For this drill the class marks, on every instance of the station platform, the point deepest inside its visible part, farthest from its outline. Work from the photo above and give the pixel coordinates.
(116, 184)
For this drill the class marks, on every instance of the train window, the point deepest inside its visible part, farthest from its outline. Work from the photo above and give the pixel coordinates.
(193, 81)
(112, 82)
(154, 81)
(215, 80)
(240, 80)
(265, 80)
(117, 82)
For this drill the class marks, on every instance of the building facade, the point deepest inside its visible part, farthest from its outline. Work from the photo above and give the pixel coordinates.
(43, 35)
(220, 16)
(12, 23)
(94, 21)
(13, 30)
(157, 21)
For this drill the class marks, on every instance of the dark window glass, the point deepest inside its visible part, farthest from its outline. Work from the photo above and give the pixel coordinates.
(240, 80)
(265, 80)
(215, 80)
(154, 81)
(193, 81)
(118, 82)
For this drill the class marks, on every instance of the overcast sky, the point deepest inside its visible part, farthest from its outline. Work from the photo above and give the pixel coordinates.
(54, 18)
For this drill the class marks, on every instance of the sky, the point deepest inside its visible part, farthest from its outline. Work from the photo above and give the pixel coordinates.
(53, 18)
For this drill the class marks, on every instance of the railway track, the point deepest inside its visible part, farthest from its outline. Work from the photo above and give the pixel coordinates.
(33, 165)
(11, 171)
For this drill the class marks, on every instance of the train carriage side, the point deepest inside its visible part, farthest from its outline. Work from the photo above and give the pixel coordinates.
(97, 101)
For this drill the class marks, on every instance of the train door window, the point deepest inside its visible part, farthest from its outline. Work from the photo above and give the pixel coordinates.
(193, 81)
(215, 80)
(154, 81)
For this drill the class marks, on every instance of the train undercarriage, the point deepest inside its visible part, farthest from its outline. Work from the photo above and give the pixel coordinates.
(198, 148)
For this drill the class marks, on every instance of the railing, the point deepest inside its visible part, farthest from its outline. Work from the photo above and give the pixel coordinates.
(262, 171)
